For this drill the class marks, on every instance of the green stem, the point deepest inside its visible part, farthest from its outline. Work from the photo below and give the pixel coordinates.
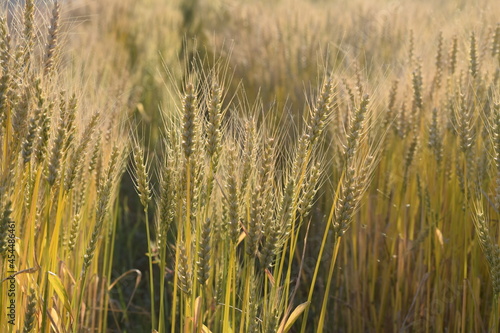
(151, 273)
(328, 284)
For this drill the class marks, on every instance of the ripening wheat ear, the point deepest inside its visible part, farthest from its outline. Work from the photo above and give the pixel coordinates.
(411, 48)
(203, 263)
(184, 273)
(271, 234)
(473, 60)
(56, 153)
(79, 153)
(453, 55)
(28, 34)
(490, 249)
(73, 234)
(309, 191)
(346, 203)
(321, 111)
(141, 181)
(409, 156)
(27, 146)
(190, 120)
(43, 133)
(34, 128)
(5, 220)
(436, 82)
(29, 317)
(69, 117)
(20, 115)
(417, 102)
(166, 205)
(495, 45)
(356, 127)
(435, 142)
(390, 114)
(253, 326)
(103, 200)
(213, 145)
(52, 40)
(249, 155)
(141, 176)
(260, 214)
(6, 76)
(254, 224)
(465, 127)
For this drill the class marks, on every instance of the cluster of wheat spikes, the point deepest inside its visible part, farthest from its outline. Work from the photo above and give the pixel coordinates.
(436, 183)
(234, 197)
(59, 171)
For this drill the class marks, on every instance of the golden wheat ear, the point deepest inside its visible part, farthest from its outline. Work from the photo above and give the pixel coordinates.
(52, 40)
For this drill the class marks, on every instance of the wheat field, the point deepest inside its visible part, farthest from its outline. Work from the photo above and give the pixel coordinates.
(249, 166)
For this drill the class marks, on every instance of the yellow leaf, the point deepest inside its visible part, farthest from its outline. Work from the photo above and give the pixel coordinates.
(295, 315)
(205, 329)
(54, 319)
(439, 236)
(60, 290)
(197, 311)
